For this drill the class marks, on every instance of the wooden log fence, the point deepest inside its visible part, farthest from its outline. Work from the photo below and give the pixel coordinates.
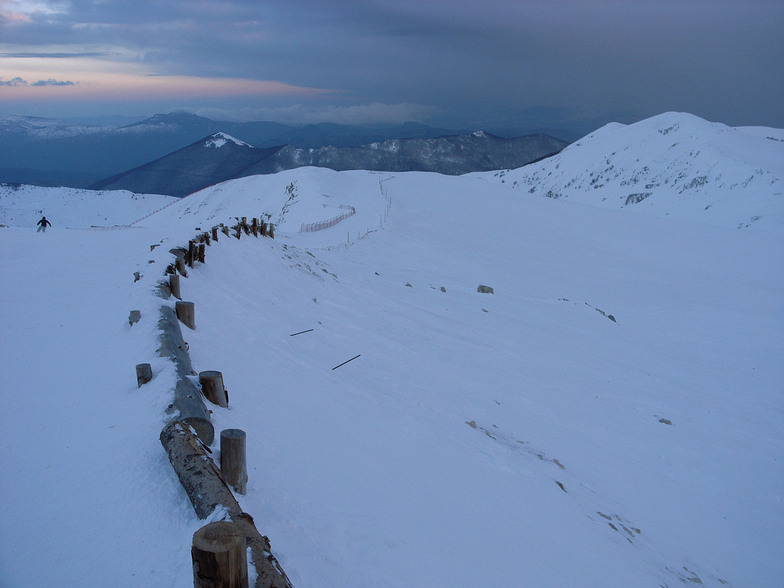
(188, 405)
(208, 491)
(187, 437)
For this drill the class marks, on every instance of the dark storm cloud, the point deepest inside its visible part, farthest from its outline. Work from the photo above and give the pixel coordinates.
(473, 61)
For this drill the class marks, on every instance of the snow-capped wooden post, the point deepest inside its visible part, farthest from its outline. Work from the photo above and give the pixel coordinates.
(191, 258)
(225, 229)
(219, 556)
(174, 285)
(186, 313)
(212, 387)
(202, 249)
(232, 459)
(215, 234)
(143, 374)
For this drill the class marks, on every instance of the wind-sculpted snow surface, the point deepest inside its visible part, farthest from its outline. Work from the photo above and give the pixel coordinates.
(674, 164)
(609, 417)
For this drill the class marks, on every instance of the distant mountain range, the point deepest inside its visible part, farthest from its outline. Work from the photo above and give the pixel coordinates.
(50, 152)
(221, 157)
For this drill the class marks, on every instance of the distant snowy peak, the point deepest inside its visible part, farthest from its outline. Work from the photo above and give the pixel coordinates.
(674, 163)
(220, 139)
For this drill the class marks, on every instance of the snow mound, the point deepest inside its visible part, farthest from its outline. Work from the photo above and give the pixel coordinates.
(289, 200)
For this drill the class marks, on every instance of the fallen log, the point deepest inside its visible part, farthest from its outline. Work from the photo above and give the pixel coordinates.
(198, 474)
(207, 490)
(188, 399)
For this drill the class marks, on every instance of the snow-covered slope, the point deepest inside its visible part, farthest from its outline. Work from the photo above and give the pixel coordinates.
(673, 164)
(23, 205)
(611, 416)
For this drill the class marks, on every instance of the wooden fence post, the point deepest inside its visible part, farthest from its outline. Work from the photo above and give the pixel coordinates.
(219, 556)
(202, 249)
(212, 387)
(174, 285)
(232, 459)
(143, 374)
(134, 317)
(215, 234)
(186, 313)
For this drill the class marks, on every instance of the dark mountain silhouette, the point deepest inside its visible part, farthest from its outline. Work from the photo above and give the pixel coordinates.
(51, 152)
(221, 157)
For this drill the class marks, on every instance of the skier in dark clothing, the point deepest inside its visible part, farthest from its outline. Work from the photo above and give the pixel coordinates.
(42, 225)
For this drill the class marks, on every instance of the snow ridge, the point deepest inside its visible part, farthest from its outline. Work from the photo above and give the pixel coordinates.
(672, 164)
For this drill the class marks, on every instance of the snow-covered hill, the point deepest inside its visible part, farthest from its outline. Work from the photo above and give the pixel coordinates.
(673, 164)
(23, 205)
(611, 416)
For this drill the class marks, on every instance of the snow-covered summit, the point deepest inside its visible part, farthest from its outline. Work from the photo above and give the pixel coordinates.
(219, 139)
(671, 164)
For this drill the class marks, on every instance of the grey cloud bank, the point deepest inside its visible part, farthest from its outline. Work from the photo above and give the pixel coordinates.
(470, 64)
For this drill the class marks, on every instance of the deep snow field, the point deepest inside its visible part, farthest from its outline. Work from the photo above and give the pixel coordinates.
(612, 415)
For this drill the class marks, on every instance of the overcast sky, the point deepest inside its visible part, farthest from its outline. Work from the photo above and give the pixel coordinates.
(456, 63)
